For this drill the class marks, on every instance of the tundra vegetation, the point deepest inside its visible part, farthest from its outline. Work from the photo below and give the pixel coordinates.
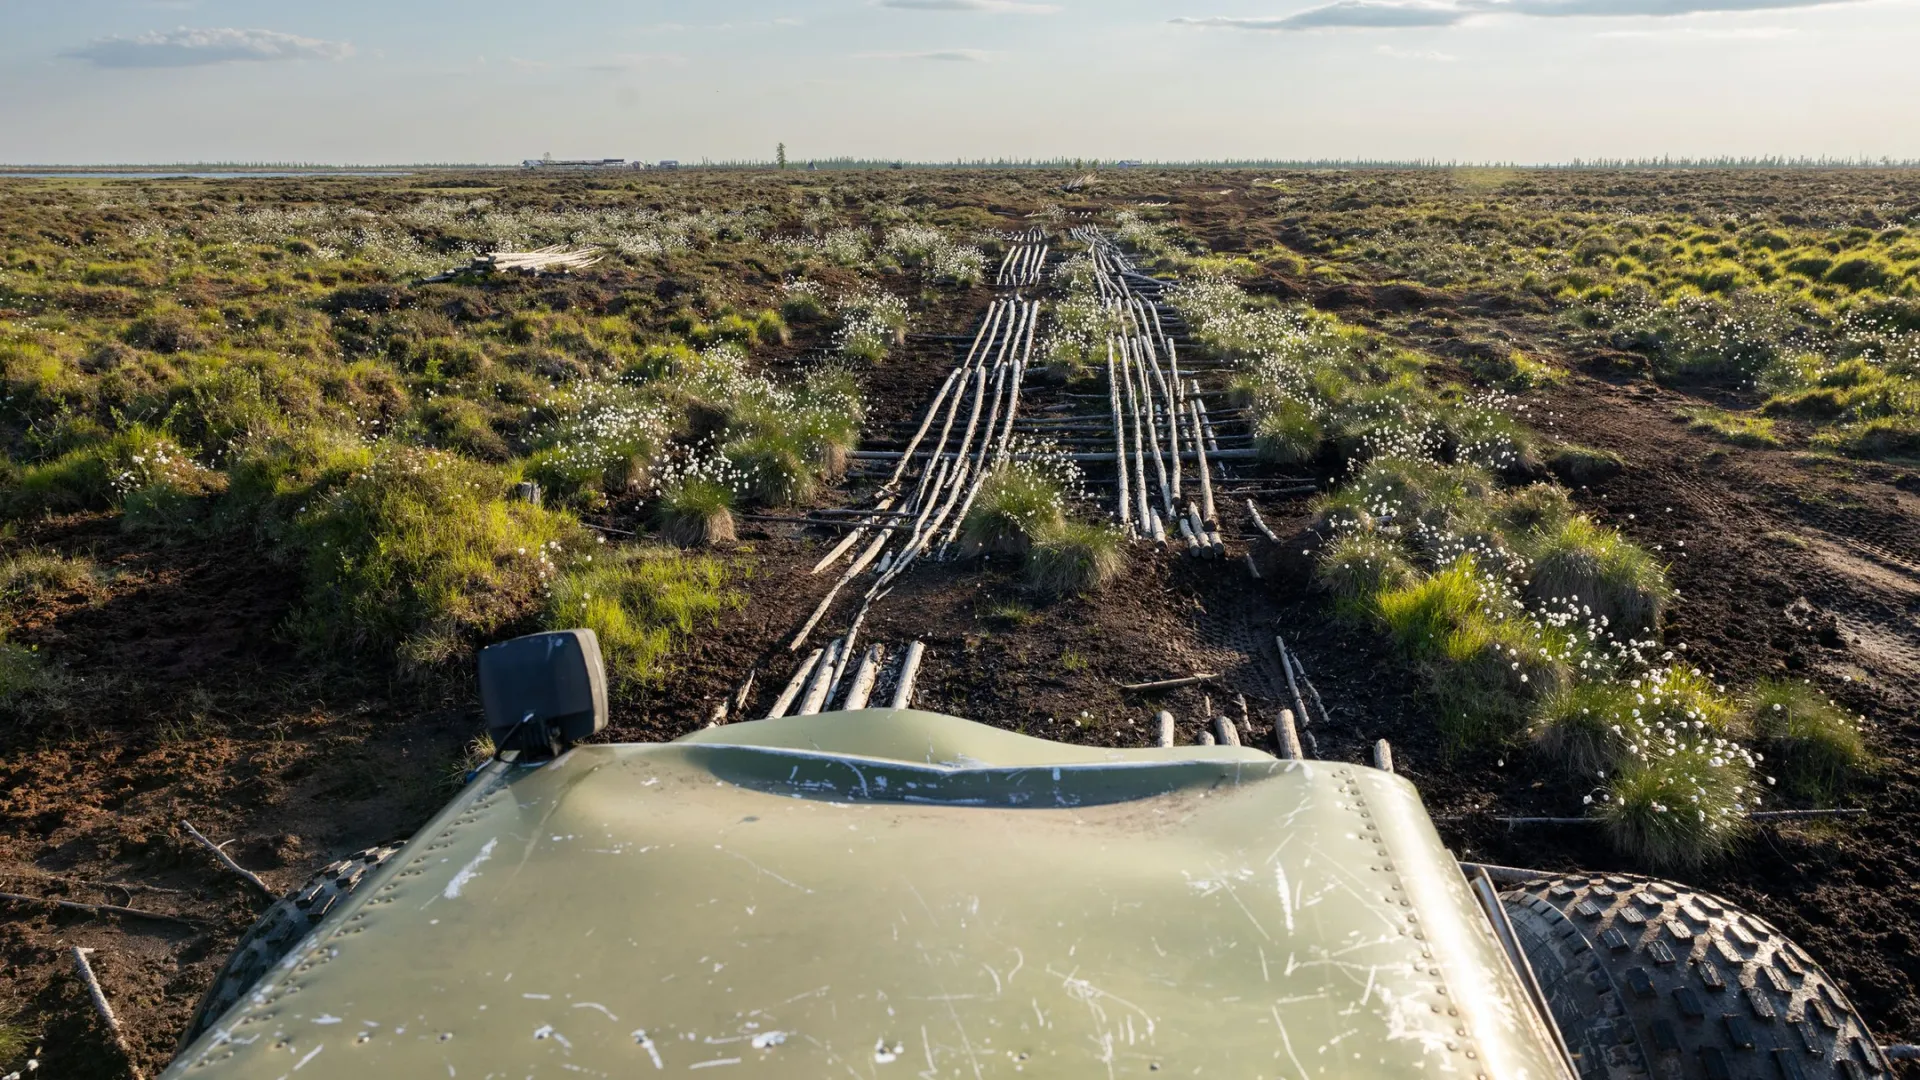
(1528, 622)
(263, 366)
(1809, 307)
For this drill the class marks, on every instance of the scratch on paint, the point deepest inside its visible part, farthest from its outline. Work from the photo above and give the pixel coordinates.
(646, 1044)
(762, 869)
(1287, 1042)
(310, 1056)
(715, 1061)
(1286, 895)
(470, 871)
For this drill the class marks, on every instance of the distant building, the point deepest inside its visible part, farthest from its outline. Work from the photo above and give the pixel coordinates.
(1130, 163)
(667, 164)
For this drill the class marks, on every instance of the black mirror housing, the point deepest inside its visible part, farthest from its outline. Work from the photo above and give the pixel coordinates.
(543, 693)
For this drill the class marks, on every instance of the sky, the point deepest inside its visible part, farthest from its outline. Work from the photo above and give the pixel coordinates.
(406, 81)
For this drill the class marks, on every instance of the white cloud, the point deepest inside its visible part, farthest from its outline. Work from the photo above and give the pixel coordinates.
(193, 48)
(638, 62)
(1699, 33)
(1400, 14)
(1004, 7)
(956, 56)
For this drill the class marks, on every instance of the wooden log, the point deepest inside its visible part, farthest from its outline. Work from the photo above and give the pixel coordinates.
(864, 677)
(1206, 480)
(1206, 738)
(100, 1005)
(1224, 732)
(226, 860)
(1293, 688)
(822, 681)
(853, 537)
(1286, 737)
(1383, 756)
(909, 671)
(1170, 684)
(1253, 567)
(1119, 443)
(1163, 729)
(785, 701)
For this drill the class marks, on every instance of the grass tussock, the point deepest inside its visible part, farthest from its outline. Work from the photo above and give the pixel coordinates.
(1739, 429)
(1016, 506)
(1075, 557)
(696, 511)
(1596, 567)
(1813, 744)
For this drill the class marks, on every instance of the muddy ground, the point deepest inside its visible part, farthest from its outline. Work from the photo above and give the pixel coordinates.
(1787, 563)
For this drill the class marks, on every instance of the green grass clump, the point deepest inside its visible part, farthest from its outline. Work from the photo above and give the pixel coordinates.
(1361, 565)
(696, 511)
(422, 555)
(20, 673)
(1736, 428)
(1812, 743)
(640, 602)
(90, 477)
(1596, 566)
(1016, 505)
(1681, 811)
(1405, 490)
(1075, 557)
(1585, 728)
(1288, 432)
(1536, 508)
(34, 575)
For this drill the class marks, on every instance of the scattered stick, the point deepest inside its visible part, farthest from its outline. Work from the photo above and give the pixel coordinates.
(1286, 737)
(1383, 756)
(1511, 875)
(97, 909)
(227, 861)
(1260, 523)
(101, 1006)
(741, 695)
(1170, 684)
(909, 670)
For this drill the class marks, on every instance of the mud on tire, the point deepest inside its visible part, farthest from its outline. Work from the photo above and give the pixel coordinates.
(1650, 979)
(290, 918)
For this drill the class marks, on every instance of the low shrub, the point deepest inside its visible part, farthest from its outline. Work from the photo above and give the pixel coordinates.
(1514, 370)
(1813, 744)
(421, 555)
(1075, 557)
(639, 601)
(1597, 567)
(36, 575)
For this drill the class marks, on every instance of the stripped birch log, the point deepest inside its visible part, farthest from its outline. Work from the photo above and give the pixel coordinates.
(822, 681)
(1119, 442)
(1286, 737)
(909, 671)
(1163, 729)
(1293, 688)
(1383, 756)
(866, 558)
(745, 692)
(1206, 738)
(1206, 481)
(1224, 731)
(794, 685)
(864, 677)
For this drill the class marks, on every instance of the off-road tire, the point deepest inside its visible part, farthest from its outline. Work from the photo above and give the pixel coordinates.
(1649, 980)
(289, 920)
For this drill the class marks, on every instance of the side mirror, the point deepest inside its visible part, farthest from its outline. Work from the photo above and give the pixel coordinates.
(544, 692)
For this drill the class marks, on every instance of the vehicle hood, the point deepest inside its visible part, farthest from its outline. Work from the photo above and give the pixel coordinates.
(887, 893)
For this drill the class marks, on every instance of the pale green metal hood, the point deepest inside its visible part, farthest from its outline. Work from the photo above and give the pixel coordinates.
(898, 894)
